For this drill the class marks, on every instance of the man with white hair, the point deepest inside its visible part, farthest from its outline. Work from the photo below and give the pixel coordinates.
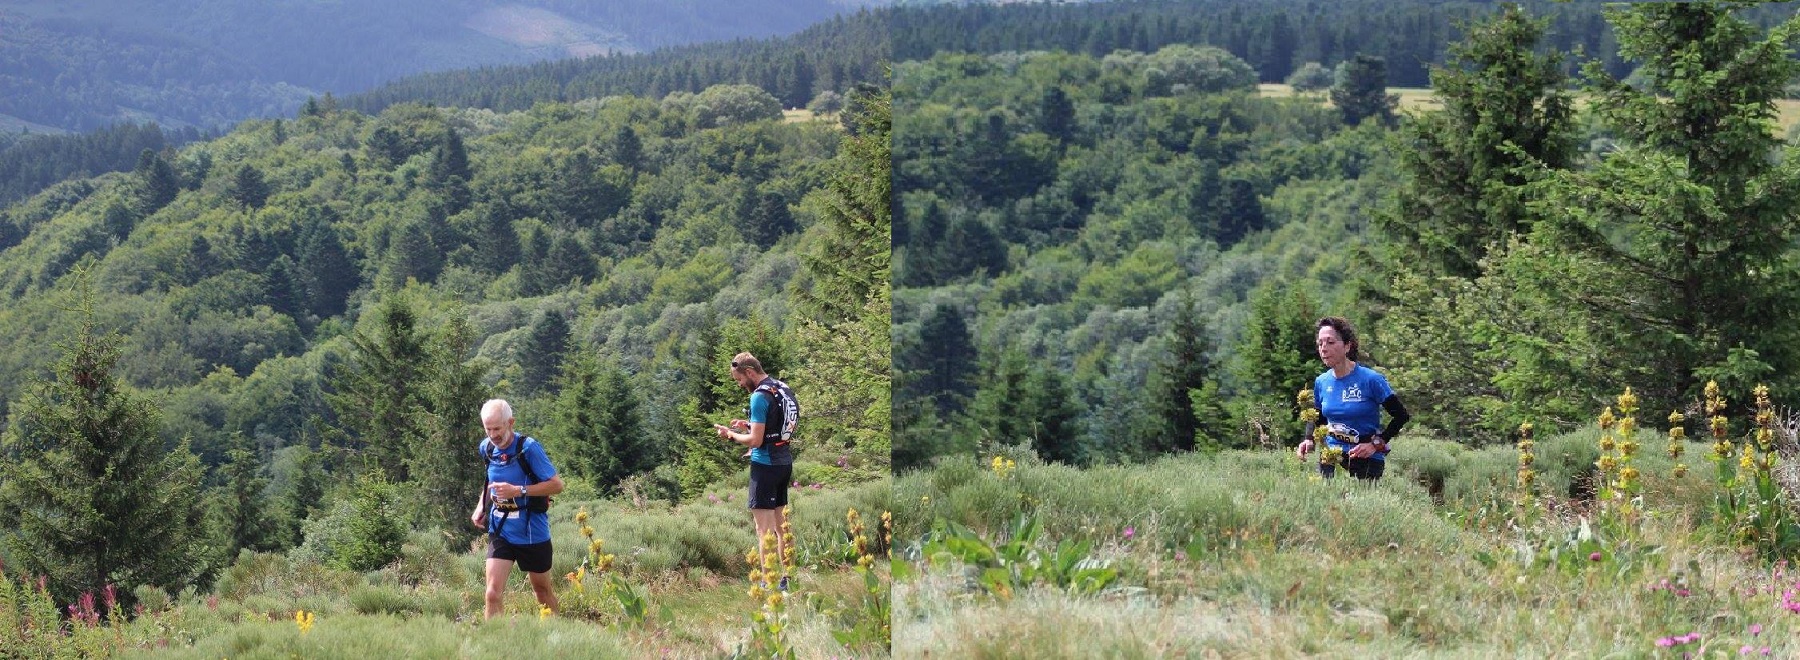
(514, 506)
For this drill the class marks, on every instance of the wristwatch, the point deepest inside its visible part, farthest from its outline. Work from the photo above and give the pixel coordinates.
(522, 491)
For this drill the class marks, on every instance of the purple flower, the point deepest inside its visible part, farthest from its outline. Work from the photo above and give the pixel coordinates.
(1180, 555)
(817, 486)
(796, 484)
(1744, 650)
(1666, 642)
(1130, 532)
(1755, 629)
(1594, 557)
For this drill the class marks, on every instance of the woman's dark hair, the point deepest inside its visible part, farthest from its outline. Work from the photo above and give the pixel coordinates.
(1345, 333)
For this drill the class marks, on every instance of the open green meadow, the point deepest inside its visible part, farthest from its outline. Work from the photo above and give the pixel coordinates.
(1250, 553)
(666, 581)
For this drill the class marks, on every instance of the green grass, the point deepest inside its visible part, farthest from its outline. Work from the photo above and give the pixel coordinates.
(687, 560)
(1250, 554)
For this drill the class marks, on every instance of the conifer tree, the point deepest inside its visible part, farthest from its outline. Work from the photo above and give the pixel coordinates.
(446, 473)
(1361, 90)
(248, 188)
(240, 509)
(380, 394)
(325, 267)
(1464, 188)
(412, 255)
(844, 351)
(1677, 245)
(158, 183)
(542, 356)
(598, 421)
(94, 496)
(1179, 380)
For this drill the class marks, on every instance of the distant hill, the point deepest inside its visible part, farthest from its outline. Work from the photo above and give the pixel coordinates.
(834, 54)
(210, 63)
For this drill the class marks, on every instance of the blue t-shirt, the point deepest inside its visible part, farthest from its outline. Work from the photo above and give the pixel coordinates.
(1352, 404)
(520, 527)
(775, 417)
(759, 414)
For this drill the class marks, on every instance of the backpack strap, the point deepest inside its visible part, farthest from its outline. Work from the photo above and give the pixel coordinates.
(772, 429)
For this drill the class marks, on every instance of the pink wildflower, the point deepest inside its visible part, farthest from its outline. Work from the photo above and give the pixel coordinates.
(1130, 532)
(1594, 557)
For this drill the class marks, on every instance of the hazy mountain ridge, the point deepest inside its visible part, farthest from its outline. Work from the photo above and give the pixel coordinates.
(82, 66)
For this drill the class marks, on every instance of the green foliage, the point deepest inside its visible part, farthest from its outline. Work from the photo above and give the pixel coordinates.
(373, 529)
(1182, 391)
(1360, 90)
(1022, 401)
(1505, 110)
(1310, 77)
(97, 500)
(1639, 235)
(1006, 568)
(440, 467)
(598, 425)
(239, 507)
(380, 394)
(724, 105)
(542, 355)
(248, 188)
(1278, 357)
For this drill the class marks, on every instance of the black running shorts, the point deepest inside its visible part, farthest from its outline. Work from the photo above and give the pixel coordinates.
(769, 485)
(533, 558)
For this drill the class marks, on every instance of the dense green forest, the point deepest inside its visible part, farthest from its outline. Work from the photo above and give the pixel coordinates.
(1276, 37)
(815, 67)
(80, 66)
(1112, 256)
(30, 163)
(316, 306)
(832, 55)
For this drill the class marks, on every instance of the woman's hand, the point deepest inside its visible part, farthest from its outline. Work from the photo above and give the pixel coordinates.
(1306, 447)
(1362, 450)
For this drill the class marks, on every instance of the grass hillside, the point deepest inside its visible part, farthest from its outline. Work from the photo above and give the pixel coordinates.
(1250, 553)
(367, 282)
(682, 568)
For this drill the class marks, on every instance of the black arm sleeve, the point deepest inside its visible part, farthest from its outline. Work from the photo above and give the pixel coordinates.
(1315, 424)
(1397, 417)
